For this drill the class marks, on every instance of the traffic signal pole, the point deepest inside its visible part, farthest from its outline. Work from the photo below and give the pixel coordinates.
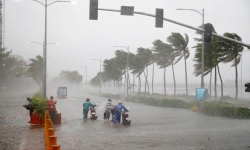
(181, 24)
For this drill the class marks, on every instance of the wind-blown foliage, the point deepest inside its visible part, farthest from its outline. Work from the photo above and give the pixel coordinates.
(35, 70)
(180, 45)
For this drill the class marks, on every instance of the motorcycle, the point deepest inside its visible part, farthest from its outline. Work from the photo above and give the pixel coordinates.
(93, 113)
(125, 118)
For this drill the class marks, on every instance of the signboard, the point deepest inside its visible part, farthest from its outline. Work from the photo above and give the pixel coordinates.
(123, 97)
(200, 94)
(127, 10)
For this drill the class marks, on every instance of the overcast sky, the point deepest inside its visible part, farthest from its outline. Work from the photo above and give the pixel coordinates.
(82, 39)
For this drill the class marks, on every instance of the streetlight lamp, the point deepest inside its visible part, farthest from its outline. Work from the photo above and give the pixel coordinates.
(46, 4)
(44, 68)
(86, 75)
(127, 48)
(100, 74)
(202, 51)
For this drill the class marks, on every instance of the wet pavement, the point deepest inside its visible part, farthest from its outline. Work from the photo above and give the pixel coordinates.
(151, 128)
(15, 131)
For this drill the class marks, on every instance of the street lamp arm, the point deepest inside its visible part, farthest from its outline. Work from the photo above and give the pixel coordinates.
(39, 2)
(56, 2)
(36, 43)
(122, 46)
(191, 10)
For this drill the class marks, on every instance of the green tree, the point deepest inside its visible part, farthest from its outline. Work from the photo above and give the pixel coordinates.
(121, 63)
(231, 52)
(145, 56)
(71, 77)
(180, 45)
(111, 72)
(95, 82)
(211, 60)
(35, 70)
(165, 57)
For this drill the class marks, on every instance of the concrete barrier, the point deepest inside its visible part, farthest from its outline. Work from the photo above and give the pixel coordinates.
(49, 133)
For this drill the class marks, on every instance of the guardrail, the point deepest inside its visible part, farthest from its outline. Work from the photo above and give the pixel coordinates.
(50, 138)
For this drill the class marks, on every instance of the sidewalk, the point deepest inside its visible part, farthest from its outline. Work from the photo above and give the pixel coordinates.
(15, 131)
(33, 138)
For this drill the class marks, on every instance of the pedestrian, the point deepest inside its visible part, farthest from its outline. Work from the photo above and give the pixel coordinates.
(107, 110)
(29, 107)
(118, 109)
(52, 109)
(86, 106)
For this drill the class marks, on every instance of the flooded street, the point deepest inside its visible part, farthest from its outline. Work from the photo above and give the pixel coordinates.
(151, 128)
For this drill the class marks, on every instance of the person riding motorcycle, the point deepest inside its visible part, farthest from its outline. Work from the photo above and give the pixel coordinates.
(118, 109)
(86, 106)
(107, 111)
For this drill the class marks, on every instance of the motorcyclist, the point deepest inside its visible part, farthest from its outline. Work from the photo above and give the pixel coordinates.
(86, 106)
(118, 109)
(107, 110)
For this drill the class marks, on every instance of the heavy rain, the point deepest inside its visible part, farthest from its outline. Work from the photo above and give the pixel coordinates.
(97, 74)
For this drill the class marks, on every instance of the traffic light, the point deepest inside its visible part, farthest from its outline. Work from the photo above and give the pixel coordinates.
(159, 18)
(247, 85)
(93, 10)
(208, 28)
(127, 10)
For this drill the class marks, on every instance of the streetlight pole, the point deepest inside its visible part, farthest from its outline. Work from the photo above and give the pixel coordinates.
(127, 48)
(45, 44)
(202, 51)
(100, 73)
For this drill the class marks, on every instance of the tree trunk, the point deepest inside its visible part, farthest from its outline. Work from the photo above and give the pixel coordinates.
(215, 83)
(145, 85)
(174, 80)
(220, 81)
(165, 81)
(210, 84)
(153, 80)
(147, 80)
(186, 74)
(139, 91)
(236, 80)
(133, 82)
(125, 82)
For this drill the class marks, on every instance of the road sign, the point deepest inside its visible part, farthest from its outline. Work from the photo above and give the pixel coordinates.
(200, 94)
(127, 10)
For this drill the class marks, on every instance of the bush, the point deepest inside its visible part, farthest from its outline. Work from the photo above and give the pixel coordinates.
(213, 108)
(39, 104)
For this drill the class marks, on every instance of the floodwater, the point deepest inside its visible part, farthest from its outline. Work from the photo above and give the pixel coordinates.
(151, 128)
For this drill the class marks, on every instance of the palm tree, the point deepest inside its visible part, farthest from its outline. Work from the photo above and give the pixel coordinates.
(165, 57)
(231, 53)
(180, 45)
(145, 55)
(137, 67)
(211, 60)
(35, 70)
(111, 71)
(121, 62)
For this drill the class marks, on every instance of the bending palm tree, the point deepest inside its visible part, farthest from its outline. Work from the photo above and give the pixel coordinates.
(180, 44)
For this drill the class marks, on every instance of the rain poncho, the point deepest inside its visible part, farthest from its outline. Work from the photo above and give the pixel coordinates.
(86, 106)
(107, 110)
(118, 110)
